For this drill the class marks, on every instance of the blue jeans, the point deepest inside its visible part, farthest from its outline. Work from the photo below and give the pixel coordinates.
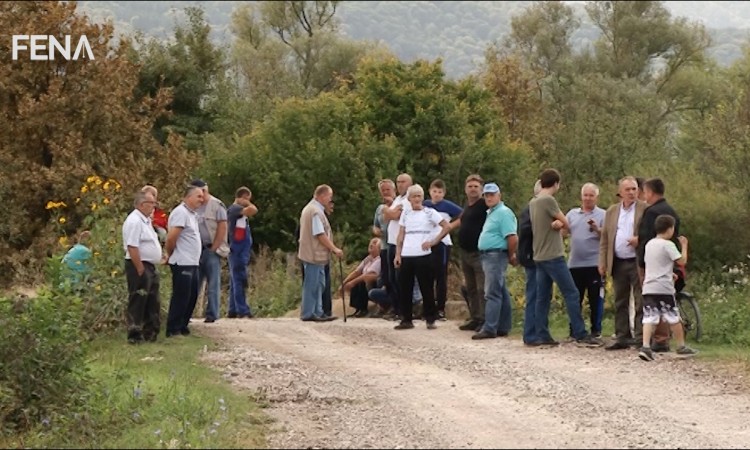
(497, 309)
(529, 317)
(380, 296)
(312, 290)
(556, 270)
(210, 270)
(239, 258)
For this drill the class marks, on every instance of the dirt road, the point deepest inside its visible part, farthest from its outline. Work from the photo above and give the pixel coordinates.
(362, 384)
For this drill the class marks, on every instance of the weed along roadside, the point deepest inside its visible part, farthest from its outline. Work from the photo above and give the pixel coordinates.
(152, 396)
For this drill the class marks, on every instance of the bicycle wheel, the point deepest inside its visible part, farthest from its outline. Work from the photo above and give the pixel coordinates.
(690, 315)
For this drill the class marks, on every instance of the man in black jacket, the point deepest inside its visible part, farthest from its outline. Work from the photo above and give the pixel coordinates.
(526, 259)
(469, 228)
(653, 190)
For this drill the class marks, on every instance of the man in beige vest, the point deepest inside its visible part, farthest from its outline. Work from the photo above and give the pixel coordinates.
(315, 248)
(617, 258)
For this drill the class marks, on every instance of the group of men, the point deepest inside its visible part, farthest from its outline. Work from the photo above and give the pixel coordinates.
(199, 232)
(602, 243)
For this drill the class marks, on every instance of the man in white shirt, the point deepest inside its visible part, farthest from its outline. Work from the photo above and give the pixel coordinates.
(183, 249)
(142, 253)
(617, 258)
(392, 215)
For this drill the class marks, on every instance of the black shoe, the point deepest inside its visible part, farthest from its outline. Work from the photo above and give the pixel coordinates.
(646, 354)
(150, 337)
(660, 348)
(617, 345)
(135, 340)
(549, 343)
(470, 325)
(232, 316)
(314, 319)
(328, 318)
(479, 327)
(246, 316)
(483, 335)
(404, 326)
(361, 314)
(209, 320)
(589, 341)
(185, 332)
(431, 325)
(501, 334)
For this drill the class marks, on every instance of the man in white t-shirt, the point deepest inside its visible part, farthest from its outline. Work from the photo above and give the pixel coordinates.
(392, 215)
(183, 249)
(142, 254)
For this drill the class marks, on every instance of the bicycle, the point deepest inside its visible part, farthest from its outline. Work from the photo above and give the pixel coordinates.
(690, 315)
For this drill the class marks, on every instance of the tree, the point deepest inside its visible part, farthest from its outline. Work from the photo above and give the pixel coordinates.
(66, 121)
(192, 67)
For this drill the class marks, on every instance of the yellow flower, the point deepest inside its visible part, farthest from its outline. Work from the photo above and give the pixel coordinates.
(98, 288)
(91, 178)
(61, 220)
(84, 189)
(78, 200)
(105, 201)
(117, 186)
(106, 186)
(63, 240)
(96, 253)
(50, 205)
(98, 181)
(114, 272)
(94, 206)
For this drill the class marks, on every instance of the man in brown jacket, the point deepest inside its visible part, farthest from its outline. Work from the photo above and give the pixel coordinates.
(315, 248)
(617, 257)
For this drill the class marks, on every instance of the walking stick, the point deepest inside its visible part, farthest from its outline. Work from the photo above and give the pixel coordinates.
(343, 292)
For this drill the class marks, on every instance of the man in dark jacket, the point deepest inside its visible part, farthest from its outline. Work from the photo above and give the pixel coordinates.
(653, 190)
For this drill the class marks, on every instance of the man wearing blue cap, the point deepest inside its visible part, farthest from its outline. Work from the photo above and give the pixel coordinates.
(497, 247)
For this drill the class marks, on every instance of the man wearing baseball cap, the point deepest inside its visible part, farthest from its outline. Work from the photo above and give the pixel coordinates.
(497, 247)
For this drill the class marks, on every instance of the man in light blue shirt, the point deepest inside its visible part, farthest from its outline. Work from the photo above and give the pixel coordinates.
(497, 247)
(586, 224)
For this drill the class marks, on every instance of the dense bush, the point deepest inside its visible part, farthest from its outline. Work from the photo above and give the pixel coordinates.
(42, 367)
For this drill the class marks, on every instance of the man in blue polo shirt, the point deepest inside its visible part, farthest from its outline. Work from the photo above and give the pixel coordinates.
(497, 247)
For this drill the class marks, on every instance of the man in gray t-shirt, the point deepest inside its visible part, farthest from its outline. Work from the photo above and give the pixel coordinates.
(547, 221)
(183, 248)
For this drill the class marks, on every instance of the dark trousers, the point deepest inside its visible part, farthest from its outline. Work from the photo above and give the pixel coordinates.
(588, 281)
(441, 256)
(143, 301)
(393, 277)
(471, 265)
(327, 302)
(358, 297)
(184, 297)
(624, 278)
(421, 267)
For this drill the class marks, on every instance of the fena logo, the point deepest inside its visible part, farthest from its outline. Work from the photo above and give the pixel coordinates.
(43, 47)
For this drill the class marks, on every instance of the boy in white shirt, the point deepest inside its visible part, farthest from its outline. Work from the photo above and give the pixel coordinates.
(658, 286)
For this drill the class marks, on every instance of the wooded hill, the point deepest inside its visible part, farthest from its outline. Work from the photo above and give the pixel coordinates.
(457, 31)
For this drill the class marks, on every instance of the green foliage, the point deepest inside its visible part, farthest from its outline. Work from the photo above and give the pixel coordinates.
(191, 66)
(276, 286)
(42, 370)
(722, 299)
(146, 397)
